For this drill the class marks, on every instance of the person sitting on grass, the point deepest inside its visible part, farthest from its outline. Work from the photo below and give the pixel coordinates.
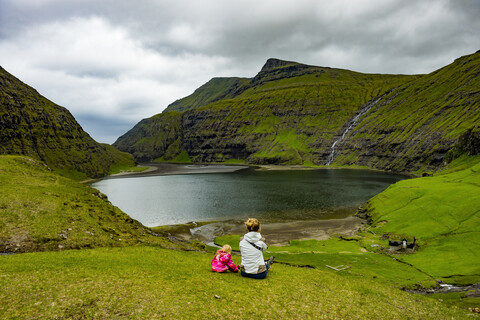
(252, 246)
(223, 260)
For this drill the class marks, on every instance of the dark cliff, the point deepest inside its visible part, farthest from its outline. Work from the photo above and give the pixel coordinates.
(34, 126)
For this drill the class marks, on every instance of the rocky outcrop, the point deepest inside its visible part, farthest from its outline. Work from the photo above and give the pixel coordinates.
(34, 126)
(469, 142)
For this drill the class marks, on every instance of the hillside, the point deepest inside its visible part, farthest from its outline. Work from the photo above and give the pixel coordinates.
(153, 283)
(414, 126)
(287, 114)
(442, 212)
(32, 125)
(41, 210)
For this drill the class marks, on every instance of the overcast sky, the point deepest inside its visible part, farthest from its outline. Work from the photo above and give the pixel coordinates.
(115, 62)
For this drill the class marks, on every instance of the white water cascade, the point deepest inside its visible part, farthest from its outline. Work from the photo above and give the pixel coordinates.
(351, 124)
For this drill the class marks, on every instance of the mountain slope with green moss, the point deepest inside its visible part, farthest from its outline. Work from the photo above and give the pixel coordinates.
(287, 114)
(291, 113)
(414, 127)
(214, 90)
(32, 125)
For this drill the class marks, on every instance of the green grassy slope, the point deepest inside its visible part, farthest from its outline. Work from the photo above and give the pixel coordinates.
(41, 210)
(36, 127)
(443, 212)
(415, 126)
(145, 146)
(356, 254)
(154, 283)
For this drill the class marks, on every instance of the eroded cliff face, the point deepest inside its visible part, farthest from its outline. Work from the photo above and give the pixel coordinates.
(34, 126)
(293, 114)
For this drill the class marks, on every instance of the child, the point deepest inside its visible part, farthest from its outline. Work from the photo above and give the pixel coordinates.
(223, 260)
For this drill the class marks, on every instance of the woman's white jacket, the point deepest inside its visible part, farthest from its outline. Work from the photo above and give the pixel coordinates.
(252, 255)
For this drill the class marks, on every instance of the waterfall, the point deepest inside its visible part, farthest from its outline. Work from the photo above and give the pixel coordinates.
(351, 124)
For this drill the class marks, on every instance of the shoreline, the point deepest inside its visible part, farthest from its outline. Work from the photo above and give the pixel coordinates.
(276, 233)
(166, 168)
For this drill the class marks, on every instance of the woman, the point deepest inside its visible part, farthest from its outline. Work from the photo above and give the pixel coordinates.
(252, 246)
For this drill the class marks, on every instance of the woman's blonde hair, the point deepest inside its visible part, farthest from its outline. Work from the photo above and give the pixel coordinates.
(252, 224)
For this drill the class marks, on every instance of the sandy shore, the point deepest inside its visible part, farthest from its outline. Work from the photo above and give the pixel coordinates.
(160, 169)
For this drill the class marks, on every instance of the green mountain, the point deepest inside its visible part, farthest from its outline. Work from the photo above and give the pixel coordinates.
(34, 126)
(292, 113)
(415, 126)
(286, 114)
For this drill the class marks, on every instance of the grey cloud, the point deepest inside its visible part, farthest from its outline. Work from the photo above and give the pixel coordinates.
(123, 60)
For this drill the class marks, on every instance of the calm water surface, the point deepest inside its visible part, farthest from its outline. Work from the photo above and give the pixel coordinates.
(267, 195)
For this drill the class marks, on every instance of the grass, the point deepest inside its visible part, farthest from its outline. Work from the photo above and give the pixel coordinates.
(154, 283)
(443, 213)
(40, 210)
(125, 168)
(362, 261)
(123, 279)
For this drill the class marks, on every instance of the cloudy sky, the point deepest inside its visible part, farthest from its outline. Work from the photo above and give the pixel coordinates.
(115, 62)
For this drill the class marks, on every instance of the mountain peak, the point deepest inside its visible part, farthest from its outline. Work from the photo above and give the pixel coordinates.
(274, 63)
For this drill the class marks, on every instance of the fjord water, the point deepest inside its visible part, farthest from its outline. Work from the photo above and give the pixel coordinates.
(275, 195)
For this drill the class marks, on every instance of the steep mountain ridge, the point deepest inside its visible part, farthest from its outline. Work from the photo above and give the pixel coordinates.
(291, 113)
(34, 126)
(214, 90)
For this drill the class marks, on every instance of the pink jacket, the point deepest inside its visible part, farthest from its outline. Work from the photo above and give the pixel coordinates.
(222, 262)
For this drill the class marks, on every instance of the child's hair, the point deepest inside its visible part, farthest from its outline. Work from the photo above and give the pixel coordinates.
(252, 224)
(226, 248)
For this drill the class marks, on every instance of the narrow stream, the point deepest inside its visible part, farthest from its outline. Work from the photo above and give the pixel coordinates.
(352, 123)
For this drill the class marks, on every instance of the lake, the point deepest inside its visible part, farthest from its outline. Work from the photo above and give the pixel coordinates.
(269, 195)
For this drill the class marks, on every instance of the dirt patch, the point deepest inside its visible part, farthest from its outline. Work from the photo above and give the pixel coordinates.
(276, 233)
